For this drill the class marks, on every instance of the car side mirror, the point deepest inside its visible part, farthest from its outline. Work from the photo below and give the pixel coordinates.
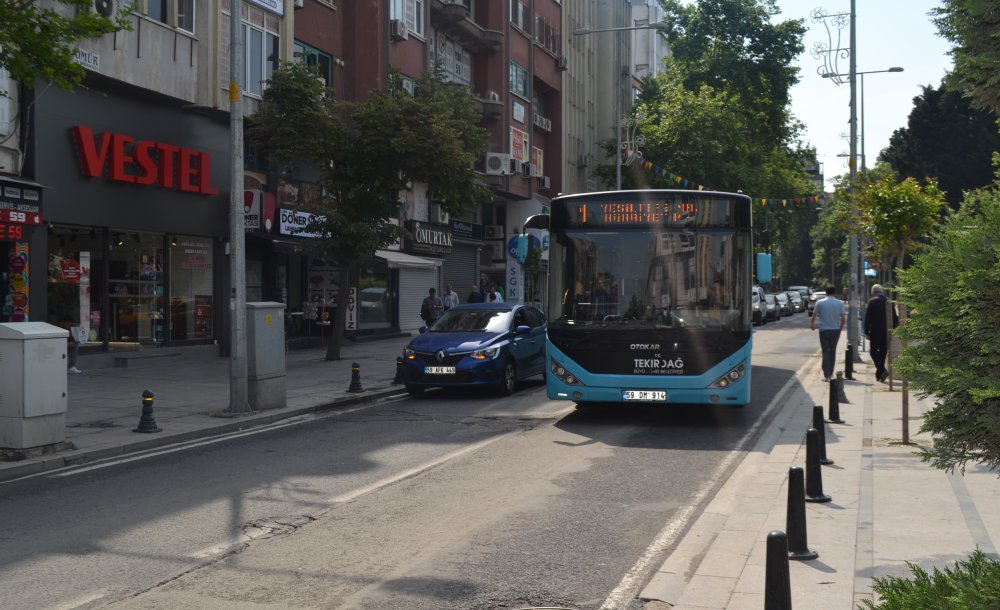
(522, 330)
(423, 329)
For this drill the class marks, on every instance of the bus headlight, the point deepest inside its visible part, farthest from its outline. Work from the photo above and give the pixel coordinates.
(731, 377)
(562, 374)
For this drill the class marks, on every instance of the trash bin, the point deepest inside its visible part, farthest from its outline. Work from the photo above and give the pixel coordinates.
(266, 355)
(33, 385)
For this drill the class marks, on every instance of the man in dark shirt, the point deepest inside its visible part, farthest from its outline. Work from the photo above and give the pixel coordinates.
(474, 295)
(876, 329)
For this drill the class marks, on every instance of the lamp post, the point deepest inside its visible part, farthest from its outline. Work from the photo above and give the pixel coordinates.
(864, 166)
(619, 71)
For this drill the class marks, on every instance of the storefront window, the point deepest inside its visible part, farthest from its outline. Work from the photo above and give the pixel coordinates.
(75, 256)
(190, 288)
(135, 284)
(374, 304)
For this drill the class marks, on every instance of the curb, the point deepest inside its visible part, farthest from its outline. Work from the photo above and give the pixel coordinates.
(75, 457)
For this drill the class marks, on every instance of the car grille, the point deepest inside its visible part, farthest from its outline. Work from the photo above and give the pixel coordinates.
(430, 358)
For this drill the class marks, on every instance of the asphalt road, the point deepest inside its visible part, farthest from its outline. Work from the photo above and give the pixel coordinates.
(455, 500)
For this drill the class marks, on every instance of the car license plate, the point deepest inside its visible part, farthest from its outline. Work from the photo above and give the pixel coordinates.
(650, 395)
(439, 370)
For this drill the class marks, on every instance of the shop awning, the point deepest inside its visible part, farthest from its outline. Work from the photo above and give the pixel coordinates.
(399, 260)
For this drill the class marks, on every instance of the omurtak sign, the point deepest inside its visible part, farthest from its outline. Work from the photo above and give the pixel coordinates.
(144, 162)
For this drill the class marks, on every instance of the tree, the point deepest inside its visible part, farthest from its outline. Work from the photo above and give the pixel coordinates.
(40, 42)
(366, 153)
(896, 216)
(946, 138)
(953, 291)
(973, 26)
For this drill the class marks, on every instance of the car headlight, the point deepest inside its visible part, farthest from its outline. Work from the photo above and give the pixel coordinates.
(756, 307)
(731, 377)
(409, 354)
(486, 354)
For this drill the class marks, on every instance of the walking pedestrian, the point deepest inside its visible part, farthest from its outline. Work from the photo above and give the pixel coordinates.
(876, 329)
(431, 307)
(449, 298)
(829, 316)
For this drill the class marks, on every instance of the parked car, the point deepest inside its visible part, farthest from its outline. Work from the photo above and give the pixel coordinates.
(759, 306)
(815, 296)
(783, 304)
(771, 309)
(480, 344)
(795, 301)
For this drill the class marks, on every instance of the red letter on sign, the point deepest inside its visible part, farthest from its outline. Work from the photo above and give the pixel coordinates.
(147, 173)
(93, 160)
(167, 165)
(119, 158)
(185, 173)
(205, 175)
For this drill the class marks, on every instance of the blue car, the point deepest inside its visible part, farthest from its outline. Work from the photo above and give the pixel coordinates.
(480, 344)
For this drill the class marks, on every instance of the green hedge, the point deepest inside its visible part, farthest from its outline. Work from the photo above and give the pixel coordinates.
(971, 585)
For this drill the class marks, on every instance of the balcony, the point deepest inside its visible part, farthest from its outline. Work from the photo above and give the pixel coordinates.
(451, 17)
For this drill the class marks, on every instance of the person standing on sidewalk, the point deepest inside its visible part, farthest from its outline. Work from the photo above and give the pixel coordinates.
(475, 296)
(449, 298)
(431, 307)
(829, 316)
(876, 328)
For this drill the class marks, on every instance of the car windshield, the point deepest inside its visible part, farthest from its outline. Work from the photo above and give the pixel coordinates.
(473, 320)
(769, 298)
(781, 297)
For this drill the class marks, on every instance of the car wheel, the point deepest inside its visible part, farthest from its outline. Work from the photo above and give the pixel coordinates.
(508, 379)
(415, 390)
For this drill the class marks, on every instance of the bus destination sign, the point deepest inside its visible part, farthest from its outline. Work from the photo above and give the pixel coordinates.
(676, 211)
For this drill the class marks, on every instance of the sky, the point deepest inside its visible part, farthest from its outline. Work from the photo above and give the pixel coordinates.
(890, 33)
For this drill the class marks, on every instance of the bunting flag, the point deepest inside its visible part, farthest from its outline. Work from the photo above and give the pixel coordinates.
(763, 201)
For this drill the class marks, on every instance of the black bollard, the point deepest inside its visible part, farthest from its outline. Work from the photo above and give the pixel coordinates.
(849, 363)
(814, 474)
(795, 517)
(821, 428)
(146, 421)
(841, 395)
(355, 378)
(777, 583)
(399, 371)
(833, 404)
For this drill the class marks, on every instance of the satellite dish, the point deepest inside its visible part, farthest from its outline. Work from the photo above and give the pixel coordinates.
(104, 8)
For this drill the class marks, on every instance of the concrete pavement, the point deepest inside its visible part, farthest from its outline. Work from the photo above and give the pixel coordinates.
(887, 506)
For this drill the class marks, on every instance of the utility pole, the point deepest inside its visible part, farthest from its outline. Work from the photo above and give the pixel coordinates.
(852, 309)
(238, 404)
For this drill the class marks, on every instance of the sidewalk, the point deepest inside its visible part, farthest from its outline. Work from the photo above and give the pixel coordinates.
(887, 507)
(105, 404)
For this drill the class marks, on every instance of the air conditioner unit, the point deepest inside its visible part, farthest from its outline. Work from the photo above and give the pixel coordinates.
(527, 169)
(409, 86)
(492, 96)
(534, 171)
(497, 164)
(583, 161)
(562, 63)
(516, 165)
(543, 182)
(299, 3)
(493, 231)
(398, 29)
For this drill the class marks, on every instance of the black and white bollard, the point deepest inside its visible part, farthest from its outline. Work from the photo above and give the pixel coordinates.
(399, 371)
(814, 474)
(833, 404)
(777, 583)
(147, 423)
(818, 423)
(355, 378)
(795, 517)
(849, 363)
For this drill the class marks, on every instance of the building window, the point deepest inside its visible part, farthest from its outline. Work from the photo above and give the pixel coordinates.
(519, 15)
(546, 35)
(261, 40)
(190, 287)
(185, 15)
(160, 10)
(455, 60)
(410, 11)
(519, 80)
(318, 60)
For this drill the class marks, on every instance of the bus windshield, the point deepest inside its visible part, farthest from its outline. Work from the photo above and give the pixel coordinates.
(650, 277)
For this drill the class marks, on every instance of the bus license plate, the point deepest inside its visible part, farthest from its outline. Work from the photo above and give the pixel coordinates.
(651, 395)
(439, 370)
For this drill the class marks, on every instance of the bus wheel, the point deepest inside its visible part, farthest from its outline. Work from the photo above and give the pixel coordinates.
(505, 386)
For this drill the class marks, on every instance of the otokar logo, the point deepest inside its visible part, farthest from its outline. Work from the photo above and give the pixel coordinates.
(635, 346)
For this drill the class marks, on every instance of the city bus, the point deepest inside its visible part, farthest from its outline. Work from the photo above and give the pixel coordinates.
(649, 297)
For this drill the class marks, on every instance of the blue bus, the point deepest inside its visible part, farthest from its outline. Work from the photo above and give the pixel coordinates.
(649, 297)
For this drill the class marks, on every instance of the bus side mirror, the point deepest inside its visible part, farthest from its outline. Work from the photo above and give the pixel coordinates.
(763, 268)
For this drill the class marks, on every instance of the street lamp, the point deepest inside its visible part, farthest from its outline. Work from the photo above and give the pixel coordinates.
(656, 25)
(862, 75)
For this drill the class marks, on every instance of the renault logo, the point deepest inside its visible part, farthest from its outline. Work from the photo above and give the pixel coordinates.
(440, 355)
